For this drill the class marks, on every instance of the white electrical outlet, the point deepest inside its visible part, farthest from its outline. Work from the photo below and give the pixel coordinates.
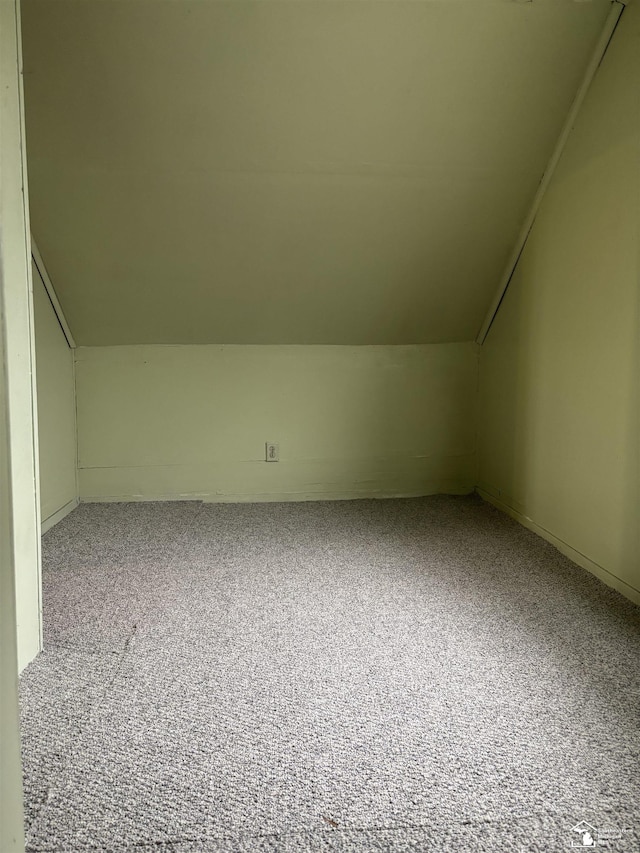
(272, 451)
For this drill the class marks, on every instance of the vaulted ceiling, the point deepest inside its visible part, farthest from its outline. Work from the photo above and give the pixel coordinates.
(290, 171)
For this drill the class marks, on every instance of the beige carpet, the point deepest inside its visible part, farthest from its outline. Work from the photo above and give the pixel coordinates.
(370, 675)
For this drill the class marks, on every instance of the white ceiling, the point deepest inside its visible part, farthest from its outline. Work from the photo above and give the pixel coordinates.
(290, 171)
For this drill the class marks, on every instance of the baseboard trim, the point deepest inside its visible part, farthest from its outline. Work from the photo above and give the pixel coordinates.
(57, 516)
(577, 557)
(449, 488)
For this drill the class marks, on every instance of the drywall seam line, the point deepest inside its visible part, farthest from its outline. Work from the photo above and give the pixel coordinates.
(284, 463)
(617, 8)
(51, 293)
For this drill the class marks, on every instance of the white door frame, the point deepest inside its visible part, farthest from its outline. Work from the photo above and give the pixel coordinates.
(19, 343)
(20, 576)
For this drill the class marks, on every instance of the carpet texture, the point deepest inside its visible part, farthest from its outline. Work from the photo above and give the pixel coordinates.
(401, 675)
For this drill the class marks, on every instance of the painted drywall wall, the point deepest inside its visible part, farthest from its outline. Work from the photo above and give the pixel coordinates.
(56, 410)
(19, 340)
(290, 173)
(559, 430)
(192, 421)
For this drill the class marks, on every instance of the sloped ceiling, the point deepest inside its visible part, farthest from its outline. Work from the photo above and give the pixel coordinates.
(290, 171)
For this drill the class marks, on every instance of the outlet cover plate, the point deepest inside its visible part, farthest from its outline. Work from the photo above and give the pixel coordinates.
(272, 451)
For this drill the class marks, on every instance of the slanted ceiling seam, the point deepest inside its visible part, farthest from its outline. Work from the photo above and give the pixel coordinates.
(51, 293)
(617, 8)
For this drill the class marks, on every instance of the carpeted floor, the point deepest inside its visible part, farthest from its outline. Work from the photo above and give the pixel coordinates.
(344, 676)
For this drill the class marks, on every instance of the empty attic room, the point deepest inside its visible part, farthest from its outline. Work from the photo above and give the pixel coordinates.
(321, 410)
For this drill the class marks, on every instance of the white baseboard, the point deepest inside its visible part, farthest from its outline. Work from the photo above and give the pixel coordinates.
(57, 516)
(253, 481)
(449, 488)
(577, 557)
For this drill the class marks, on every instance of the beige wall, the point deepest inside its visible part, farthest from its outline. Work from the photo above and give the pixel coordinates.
(56, 410)
(191, 421)
(290, 172)
(559, 377)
